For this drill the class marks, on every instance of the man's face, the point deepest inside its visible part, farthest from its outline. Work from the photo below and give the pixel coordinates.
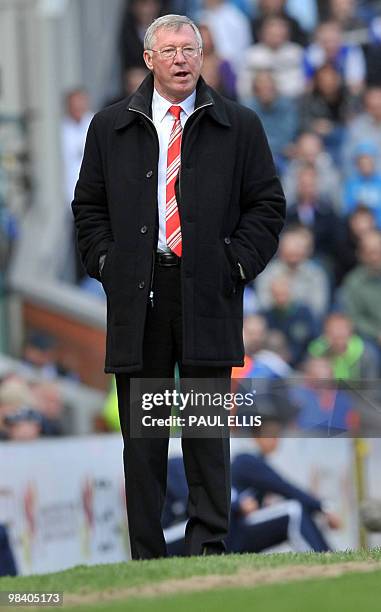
(175, 79)
(307, 184)
(329, 38)
(338, 333)
(254, 333)
(366, 164)
(78, 105)
(274, 33)
(281, 292)
(293, 249)
(309, 148)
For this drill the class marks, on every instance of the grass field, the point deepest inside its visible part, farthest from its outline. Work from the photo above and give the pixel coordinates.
(285, 582)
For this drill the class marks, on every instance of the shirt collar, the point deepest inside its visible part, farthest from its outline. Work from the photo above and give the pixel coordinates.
(161, 106)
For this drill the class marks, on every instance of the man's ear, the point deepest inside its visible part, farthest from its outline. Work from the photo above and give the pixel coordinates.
(147, 56)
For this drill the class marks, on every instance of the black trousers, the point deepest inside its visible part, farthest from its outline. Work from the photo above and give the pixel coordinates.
(206, 459)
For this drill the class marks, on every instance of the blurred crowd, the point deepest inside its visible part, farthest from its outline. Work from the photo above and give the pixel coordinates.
(31, 401)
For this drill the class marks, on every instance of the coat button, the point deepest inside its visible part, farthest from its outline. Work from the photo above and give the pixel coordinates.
(143, 229)
(141, 285)
(149, 173)
(227, 240)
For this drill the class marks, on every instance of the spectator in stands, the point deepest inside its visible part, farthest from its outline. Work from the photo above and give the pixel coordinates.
(19, 418)
(325, 109)
(350, 357)
(309, 282)
(322, 407)
(365, 128)
(50, 406)
(74, 129)
(23, 424)
(267, 355)
(266, 352)
(277, 8)
(138, 15)
(28, 411)
(356, 225)
(14, 392)
(230, 30)
(294, 320)
(255, 330)
(73, 136)
(372, 52)
(273, 52)
(216, 71)
(40, 356)
(329, 47)
(364, 187)
(277, 113)
(362, 289)
(308, 149)
(273, 361)
(345, 13)
(312, 211)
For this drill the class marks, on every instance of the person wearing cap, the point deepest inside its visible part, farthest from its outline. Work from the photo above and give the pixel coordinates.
(177, 206)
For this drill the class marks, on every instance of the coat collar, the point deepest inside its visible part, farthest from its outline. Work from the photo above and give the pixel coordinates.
(141, 102)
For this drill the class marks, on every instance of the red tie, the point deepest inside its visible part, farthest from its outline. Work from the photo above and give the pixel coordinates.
(172, 217)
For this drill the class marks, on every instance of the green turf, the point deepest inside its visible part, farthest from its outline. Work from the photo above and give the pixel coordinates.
(134, 573)
(348, 593)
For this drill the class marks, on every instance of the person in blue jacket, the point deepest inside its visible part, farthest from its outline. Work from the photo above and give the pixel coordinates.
(255, 526)
(363, 187)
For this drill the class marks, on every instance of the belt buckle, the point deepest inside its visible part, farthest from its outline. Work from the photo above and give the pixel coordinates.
(168, 260)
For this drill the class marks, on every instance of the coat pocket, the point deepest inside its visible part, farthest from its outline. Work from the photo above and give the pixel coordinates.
(231, 276)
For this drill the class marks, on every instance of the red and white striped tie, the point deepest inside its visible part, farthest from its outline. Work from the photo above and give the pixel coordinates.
(172, 217)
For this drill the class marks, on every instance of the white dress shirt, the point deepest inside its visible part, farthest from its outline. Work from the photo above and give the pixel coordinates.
(163, 121)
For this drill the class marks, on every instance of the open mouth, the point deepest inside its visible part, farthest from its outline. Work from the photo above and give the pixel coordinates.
(181, 74)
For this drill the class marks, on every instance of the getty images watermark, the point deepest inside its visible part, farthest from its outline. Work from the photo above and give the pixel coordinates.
(189, 403)
(197, 407)
(300, 407)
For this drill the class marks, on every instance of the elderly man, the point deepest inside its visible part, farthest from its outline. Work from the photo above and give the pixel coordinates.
(177, 206)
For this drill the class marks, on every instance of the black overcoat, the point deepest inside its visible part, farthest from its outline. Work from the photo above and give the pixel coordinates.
(231, 208)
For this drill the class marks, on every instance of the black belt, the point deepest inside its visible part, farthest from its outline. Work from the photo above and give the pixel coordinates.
(167, 259)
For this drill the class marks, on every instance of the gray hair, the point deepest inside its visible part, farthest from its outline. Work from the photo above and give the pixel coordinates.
(169, 22)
